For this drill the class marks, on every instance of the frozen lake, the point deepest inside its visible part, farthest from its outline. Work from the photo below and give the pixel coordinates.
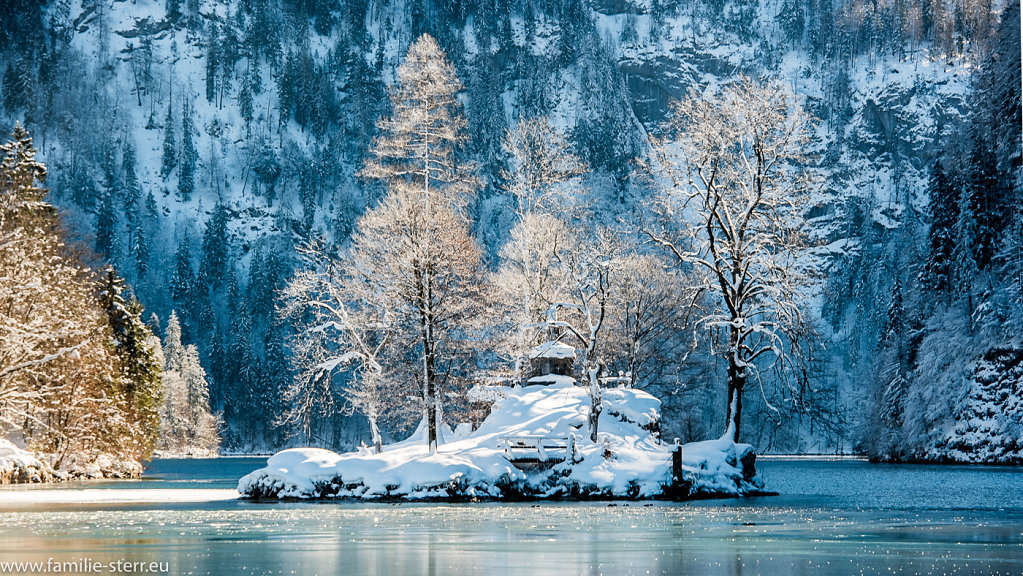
(834, 517)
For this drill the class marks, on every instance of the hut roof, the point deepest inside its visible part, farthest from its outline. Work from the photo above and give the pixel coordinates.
(552, 349)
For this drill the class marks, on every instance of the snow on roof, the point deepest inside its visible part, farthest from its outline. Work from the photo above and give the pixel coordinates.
(552, 349)
(552, 379)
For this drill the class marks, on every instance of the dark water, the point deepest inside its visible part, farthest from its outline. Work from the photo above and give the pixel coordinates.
(834, 517)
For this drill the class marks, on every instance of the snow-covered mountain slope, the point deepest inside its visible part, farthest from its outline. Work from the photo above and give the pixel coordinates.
(627, 461)
(280, 101)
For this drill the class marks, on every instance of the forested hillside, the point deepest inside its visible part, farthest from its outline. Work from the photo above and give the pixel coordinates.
(234, 159)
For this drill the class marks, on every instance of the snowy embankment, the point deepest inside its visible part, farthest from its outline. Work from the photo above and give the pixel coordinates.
(19, 466)
(627, 461)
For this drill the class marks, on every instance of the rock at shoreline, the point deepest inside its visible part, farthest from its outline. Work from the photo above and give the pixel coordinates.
(627, 462)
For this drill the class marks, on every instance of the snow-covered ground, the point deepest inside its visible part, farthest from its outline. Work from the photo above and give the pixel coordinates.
(20, 466)
(627, 461)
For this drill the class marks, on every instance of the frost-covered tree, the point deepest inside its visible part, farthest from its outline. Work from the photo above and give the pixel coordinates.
(734, 194)
(343, 336)
(592, 265)
(414, 249)
(187, 424)
(60, 386)
(651, 330)
(528, 281)
(540, 160)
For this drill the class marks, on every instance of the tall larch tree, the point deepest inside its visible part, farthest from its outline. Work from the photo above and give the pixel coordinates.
(413, 252)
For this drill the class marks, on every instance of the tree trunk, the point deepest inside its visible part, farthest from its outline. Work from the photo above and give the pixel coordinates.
(733, 412)
(374, 429)
(429, 377)
(595, 403)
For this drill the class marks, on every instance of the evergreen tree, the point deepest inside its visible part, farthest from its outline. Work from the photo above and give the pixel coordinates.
(986, 203)
(189, 155)
(215, 249)
(182, 279)
(245, 105)
(212, 61)
(59, 376)
(170, 155)
(242, 373)
(141, 249)
(188, 425)
(943, 205)
(131, 190)
(273, 379)
(138, 362)
(106, 225)
(22, 173)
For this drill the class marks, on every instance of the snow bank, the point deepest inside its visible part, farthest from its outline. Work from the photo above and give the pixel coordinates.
(81, 467)
(627, 461)
(19, 466)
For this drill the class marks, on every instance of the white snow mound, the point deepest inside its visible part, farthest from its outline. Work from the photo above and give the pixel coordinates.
(18, 466)
(627, 461)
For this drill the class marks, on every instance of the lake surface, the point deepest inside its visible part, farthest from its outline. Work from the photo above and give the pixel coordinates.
(834, 517)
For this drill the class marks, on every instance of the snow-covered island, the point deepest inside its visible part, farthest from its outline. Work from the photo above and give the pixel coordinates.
(533, 445)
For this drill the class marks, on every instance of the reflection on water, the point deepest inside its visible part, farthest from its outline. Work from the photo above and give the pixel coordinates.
(825, 524)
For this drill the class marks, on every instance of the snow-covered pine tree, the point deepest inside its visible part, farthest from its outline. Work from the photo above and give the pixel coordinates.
(106, 224)
(182, 279)
(943, 205)
(188, 426)
(189, 155)
(140, 370)
(59, 386)
(215, 249)
(894, 371)
(986, 202)
(170, 152)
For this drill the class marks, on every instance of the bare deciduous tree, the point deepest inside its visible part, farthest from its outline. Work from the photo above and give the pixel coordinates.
(655, 307)
(529, 280)
(737, 186)
(541, 160)
(593, 266)
(341, 334)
